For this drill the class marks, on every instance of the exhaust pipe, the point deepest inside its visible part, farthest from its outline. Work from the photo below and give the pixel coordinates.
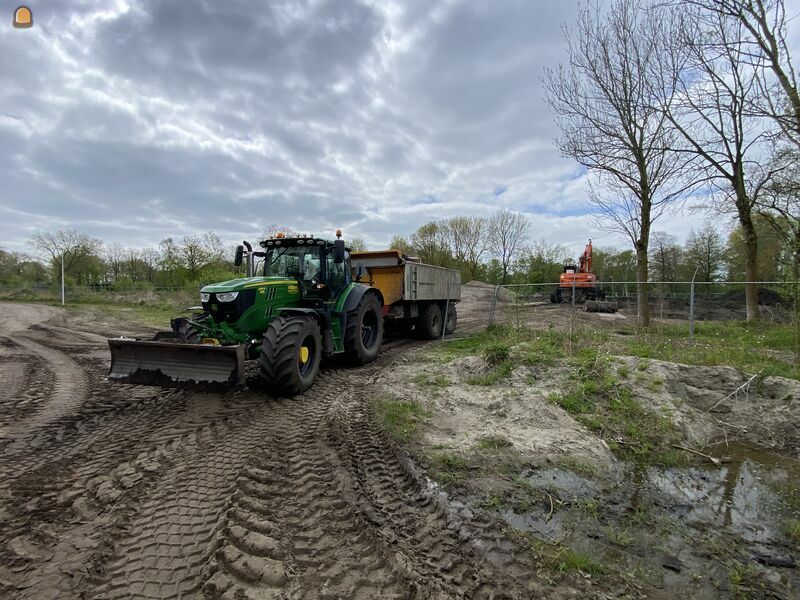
(250, 266)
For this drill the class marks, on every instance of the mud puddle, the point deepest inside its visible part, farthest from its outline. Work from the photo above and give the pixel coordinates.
(731, 530)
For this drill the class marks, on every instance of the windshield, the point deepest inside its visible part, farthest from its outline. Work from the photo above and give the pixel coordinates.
(293, 261)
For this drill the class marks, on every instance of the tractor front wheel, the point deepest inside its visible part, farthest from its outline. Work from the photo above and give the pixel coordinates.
(364, 331)
(290, 354)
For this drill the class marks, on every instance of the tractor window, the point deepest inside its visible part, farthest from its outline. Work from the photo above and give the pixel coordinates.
(293, 261)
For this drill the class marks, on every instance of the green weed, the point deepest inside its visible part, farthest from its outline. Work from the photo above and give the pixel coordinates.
(501, 371)
(401, 418)
(493, 443)
(573, 560)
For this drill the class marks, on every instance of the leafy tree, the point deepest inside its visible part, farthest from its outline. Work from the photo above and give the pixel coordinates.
(705, 251)
(80, 253)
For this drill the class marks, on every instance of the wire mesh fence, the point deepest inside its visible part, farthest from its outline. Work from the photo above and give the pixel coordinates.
(676, 307)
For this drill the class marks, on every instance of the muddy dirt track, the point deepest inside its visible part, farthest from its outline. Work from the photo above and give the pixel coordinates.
(117, 491)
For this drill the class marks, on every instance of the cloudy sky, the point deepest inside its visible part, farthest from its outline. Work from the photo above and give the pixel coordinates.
(135, 120)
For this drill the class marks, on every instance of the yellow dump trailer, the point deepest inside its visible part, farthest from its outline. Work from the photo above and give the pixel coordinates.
(415, 295)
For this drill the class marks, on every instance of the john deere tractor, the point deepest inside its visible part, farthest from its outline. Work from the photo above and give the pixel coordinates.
(301, 306)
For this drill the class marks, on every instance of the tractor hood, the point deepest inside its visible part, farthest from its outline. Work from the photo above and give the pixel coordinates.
(246, 283)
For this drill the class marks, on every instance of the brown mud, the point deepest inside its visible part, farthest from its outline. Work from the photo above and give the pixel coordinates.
(118, 491)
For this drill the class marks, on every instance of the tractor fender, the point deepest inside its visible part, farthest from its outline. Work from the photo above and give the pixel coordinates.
(357, 292)
(322, 318)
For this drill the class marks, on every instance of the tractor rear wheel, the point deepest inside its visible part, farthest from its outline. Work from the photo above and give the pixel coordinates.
(290, 354)
(429, 324)
(364, 331)
(452, 319)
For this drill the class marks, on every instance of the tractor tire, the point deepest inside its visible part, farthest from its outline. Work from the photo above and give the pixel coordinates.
(284, 366)
(452, 319)
(429, 322)
(364, 331)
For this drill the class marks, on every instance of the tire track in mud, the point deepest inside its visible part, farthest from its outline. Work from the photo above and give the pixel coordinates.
(67, 393)
(329, 508)
(135, 492)
(170, 537)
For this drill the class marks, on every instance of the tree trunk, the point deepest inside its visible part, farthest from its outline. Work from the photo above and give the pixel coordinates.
(642, 298)
(750, 260)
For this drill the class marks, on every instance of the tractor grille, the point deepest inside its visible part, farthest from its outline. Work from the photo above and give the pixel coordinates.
(230, 312)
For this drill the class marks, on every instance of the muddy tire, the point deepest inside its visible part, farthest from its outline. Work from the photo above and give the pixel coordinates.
(429, 323)
(290, 355)
(364, 331)
(452, 319)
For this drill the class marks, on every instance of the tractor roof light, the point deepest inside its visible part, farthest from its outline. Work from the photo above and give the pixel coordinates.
(280, 235)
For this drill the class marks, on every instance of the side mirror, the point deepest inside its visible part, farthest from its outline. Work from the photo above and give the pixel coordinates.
(338, 251)
(237, 260)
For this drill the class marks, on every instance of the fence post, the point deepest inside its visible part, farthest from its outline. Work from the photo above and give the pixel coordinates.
(446, 309)
(62, 278)
(494, 304)
(573, 293)
(691, 307)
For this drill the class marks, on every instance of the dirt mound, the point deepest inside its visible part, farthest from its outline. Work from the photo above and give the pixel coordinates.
(712, 403)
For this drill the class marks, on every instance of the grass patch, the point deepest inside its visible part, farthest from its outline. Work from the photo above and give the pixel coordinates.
(493, 443)
(618, 537)
(573, 560)
(495, 353)
(448, 468)
(793, 530)
(599, 401)
(748, 347)
(401, 418)
(437, 381)
(501, 371)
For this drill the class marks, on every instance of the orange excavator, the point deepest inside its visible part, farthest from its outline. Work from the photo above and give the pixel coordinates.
(581, 279)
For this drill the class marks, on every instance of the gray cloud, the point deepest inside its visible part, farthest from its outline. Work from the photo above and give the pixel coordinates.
(138, 120)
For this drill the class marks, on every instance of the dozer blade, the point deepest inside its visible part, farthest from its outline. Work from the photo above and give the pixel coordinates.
(170, 364)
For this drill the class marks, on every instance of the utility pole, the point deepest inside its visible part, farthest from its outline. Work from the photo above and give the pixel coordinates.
(62, 278)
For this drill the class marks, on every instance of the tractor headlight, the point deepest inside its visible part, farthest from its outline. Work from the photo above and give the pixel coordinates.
(227, 296)
(204, 297)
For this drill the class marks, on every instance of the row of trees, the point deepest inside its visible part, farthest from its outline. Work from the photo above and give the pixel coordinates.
(675, 100)
(88, 261)
(500, 250)
(495, 250)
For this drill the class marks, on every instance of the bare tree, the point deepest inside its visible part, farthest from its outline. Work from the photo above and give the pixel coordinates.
(718, 86)
(665, 256)
(766, 47)
(508, 234)
(611, 125)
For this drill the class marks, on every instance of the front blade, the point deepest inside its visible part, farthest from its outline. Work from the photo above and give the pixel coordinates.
(172, 364)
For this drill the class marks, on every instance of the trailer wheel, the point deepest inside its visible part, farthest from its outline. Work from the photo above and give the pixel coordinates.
(364, 331)
(429, 324)
(452, 319)
(290, 354)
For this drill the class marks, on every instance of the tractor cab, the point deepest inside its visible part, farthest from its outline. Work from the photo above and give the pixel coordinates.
(321, 267)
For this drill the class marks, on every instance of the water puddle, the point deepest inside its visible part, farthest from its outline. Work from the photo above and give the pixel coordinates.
(710, 531)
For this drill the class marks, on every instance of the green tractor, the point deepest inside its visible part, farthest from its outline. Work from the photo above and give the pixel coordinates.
(302, 306)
